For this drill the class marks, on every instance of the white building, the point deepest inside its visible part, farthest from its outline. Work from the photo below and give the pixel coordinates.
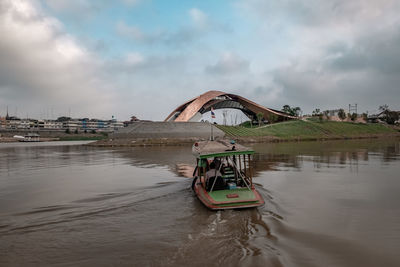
(72, 125)
(25, 124)
(51, 124)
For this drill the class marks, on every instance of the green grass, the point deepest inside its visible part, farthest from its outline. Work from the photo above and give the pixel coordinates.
(308, 130)
(246, 124)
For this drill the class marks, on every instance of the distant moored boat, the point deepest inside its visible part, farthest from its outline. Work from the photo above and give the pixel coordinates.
(30, 137)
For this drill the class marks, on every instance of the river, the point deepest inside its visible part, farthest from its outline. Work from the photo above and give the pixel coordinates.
(333, 203)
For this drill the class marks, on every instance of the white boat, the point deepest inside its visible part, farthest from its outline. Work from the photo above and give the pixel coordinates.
(30, 137)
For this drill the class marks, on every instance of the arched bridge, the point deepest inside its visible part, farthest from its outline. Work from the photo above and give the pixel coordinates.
(194, 108)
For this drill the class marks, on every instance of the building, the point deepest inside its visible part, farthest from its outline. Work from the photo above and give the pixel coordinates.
(53, 125)
(193, 109)
(114, 125)
(71, 125)
(94, 124)
(3, 122)
(65, 123)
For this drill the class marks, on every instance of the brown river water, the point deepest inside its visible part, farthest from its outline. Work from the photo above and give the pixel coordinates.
(333, 203)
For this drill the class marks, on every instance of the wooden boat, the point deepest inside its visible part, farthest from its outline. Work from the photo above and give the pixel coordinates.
(232, 185)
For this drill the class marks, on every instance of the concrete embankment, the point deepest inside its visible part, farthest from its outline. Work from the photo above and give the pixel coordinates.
(169, 133)
(161, 133)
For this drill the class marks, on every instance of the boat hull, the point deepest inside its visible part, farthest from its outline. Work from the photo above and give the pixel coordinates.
(228, 199)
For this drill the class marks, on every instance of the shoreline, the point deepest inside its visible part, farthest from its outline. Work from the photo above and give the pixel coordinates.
(243, 140)
(7, 140)
(51, 136)
(13, 140)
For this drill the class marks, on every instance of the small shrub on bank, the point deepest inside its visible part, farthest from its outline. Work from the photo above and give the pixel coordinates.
(342, 114)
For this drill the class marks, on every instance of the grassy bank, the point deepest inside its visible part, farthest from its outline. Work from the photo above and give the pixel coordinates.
(308, 130)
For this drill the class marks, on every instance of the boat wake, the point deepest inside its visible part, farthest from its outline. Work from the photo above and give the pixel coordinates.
(101, 205)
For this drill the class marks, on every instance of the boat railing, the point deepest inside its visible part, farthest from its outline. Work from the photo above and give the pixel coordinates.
(232, 174)
(215, 179)
(240, 173)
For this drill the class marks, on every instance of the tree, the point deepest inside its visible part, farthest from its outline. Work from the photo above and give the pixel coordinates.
(383, 107)
(287, 109)
(273, 118)
(67, 131)
(342, 114)
(326, 113)
(291, 111)
(320, 117)
(316, 112)
(63, 118)
(353, 116)
(297, 111)
(260, 116)
(365, 116)
(76, 131)
(391, 116)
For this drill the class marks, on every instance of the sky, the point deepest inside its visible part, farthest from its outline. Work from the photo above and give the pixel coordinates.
(144, 58)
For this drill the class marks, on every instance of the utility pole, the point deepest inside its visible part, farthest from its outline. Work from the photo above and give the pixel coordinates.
(353, 108)
(224, 114)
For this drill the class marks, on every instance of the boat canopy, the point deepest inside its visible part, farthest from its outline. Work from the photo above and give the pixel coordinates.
(219, 148)
(32, 135)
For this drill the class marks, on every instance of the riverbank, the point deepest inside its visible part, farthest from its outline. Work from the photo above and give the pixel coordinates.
(310, 130)
(13, 140)
(189, 141)
(280, 132)
(6, 136)
(132, 142)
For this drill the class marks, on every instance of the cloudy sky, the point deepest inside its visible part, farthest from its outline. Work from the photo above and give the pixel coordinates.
(145, 57)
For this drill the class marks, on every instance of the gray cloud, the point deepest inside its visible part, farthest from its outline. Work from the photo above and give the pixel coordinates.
(313, 90)
(77, 10)
(316, 13)
(84, 7)
(331, 54)
(68, 6)
(41, 66)
(177, 38)
(134, 33)
(229, 63)
(343, 52)
(376, 52)
(136, 65)
(200, 26)
(366, 73)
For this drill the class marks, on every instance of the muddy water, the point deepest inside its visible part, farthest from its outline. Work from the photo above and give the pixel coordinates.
(327, 204)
